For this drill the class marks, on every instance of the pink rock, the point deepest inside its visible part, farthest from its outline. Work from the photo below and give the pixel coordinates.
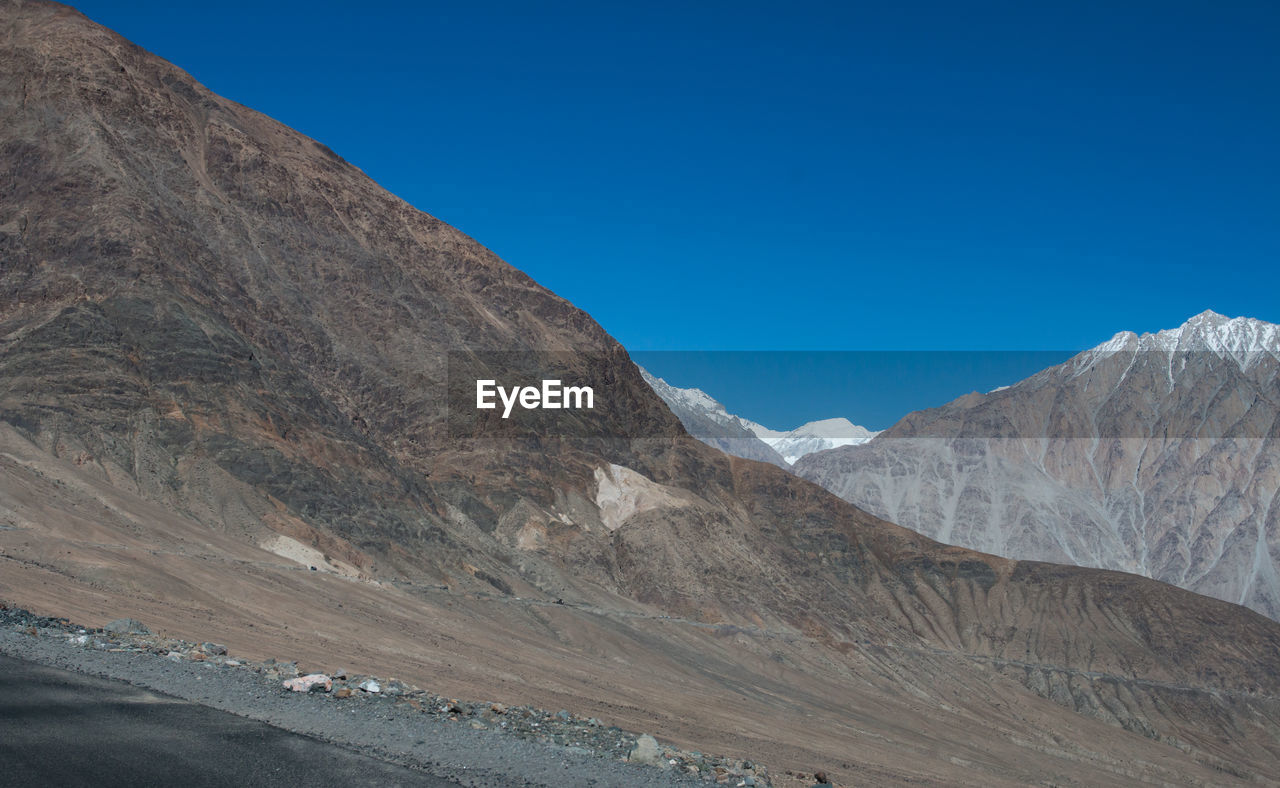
(314, 682)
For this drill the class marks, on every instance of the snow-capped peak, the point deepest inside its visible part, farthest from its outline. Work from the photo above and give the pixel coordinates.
(791, 445)
(1205, 331)
(837, 429)
(1243, 339)
(1222, 335)
(812, 437)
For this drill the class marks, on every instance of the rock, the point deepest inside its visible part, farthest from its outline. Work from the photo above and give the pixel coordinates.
(312, 682)
(340, 673)
(563, 715)
(497, 708)
(216, 649)
(344, 692)
(646, 751)
(369, 685)
(127, 626)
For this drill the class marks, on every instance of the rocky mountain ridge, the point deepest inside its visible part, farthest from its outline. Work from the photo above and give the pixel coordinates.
(1153, 454)
(1241, 338)
(707, 420)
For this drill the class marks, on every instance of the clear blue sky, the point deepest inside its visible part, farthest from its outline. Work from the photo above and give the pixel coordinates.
(801, 176)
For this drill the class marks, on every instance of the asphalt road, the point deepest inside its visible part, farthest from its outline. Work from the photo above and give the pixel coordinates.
(68, 729)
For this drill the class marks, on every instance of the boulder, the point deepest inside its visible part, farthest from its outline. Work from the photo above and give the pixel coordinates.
(647, 752)
(127, 626)
(312, 682)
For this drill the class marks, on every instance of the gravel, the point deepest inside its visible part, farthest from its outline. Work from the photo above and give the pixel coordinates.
(475, 743)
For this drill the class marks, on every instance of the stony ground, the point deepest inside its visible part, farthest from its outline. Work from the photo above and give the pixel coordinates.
(475, 742)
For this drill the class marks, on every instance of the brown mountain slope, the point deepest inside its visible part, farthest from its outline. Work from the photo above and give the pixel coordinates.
(225, 356)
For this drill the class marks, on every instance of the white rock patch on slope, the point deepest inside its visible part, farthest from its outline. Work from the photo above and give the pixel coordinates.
(621, 493)
(292, 549)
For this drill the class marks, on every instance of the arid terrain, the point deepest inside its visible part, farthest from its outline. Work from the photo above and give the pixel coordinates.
(225, 358)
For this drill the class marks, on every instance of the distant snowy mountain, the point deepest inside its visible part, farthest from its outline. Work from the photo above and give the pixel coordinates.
(707, 420)
(1157, 454)
(812, 437)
